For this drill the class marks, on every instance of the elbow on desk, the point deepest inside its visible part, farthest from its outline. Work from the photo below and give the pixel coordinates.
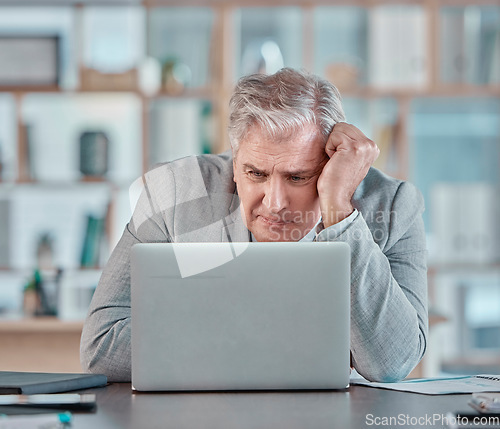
(107, 354)
(389, 363)
(93, 362)
(391, 370)
(388, 373)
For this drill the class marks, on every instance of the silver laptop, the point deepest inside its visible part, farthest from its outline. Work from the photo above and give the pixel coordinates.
(240, 316)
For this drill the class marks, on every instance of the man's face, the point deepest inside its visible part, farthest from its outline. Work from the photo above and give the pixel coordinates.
(276, 183)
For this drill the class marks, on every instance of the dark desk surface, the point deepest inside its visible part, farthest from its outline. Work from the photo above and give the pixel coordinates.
(118, 407)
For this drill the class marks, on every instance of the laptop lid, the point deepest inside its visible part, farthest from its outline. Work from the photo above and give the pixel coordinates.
(240, 316)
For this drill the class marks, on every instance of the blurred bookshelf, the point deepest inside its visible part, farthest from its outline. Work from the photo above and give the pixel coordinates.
(142, 82)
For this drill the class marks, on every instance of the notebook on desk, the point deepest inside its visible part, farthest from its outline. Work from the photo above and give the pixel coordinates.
(240, 316)
(30, 383)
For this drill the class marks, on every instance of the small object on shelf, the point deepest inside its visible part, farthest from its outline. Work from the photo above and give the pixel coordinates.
(262, 56)
(149, 76)
(31, 302)
(31, 298)
(176, 76)
(99, 81)
(44, 252)
(94, 153)
(36, 301)
(32, 60)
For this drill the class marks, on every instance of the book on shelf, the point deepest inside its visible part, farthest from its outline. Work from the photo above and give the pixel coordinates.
(490, 58)
(453, 60)
(92, 242)
(176, 130)
(464, 222)
(471, 48)
(482, 45)
(27, 165)
(5, 232)
(472, 42)
(397, 43)
(1, 161)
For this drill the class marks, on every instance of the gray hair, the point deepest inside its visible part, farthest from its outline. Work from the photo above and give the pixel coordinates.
(282, 104)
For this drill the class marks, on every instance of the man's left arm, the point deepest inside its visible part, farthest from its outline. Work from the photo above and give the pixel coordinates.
(388, 289)
(388, 286)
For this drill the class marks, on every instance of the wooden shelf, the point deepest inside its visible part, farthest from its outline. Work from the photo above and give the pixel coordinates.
(187, 93)
(442, 91)
(21, 90)
(269, 3)
(307, 3)
(46, 325)
(58, 90)
(451, 90)
(54, 184)
(465, 3)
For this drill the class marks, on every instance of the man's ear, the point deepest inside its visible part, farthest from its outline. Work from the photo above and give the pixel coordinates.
(234, 166)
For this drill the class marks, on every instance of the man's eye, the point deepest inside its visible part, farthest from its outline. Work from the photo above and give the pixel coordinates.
(296, 179)
(256, 174)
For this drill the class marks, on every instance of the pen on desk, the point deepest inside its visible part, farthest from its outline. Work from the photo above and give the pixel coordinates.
(38, 421)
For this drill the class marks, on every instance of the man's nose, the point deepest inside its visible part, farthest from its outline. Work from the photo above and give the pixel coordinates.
(275, 198)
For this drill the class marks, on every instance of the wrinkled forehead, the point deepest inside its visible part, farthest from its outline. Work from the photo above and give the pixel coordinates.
(305, 147)
(257, 133)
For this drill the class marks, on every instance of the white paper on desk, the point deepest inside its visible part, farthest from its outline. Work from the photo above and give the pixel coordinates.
(440, 385)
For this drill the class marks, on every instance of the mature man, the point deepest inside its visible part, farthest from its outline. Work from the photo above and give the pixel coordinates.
(297, 172)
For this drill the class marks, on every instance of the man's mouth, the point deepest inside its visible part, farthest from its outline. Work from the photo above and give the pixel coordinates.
(273, 220)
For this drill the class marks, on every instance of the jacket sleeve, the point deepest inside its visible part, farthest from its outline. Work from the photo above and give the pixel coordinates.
(389, 320)
(106, 336)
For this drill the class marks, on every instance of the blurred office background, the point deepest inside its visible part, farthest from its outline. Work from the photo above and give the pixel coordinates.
(93, 93)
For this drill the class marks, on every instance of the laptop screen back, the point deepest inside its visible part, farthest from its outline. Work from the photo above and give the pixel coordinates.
(240, 316)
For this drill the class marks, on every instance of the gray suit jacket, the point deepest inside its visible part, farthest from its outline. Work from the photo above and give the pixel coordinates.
(195, 200)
